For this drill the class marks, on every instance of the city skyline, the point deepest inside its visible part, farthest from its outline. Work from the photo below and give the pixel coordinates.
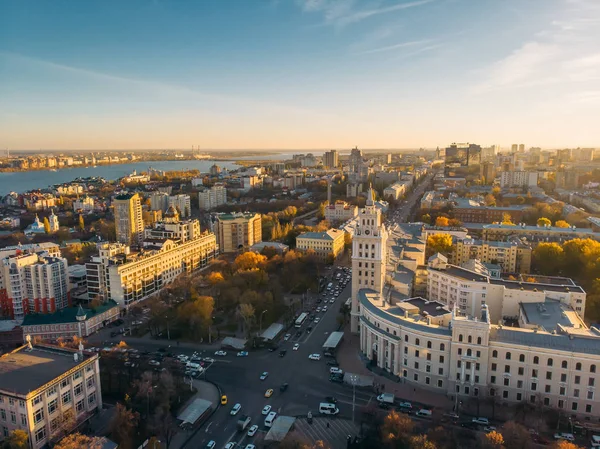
(290, 74)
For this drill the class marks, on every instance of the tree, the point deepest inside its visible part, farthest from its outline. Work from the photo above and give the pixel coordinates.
(18, 439)
(46, 225)
(492, 440)
(421, 442)
(196, 315)
(246, 312)
(563, 444)
(490, 200)
(79, 441)
(81, 223)
(249, 260)
(516, 436)
(347, 240)
(548, 258)
(561, 224)
(396, 429)
(439, 243)
(507, 219)
(426, 218)
(164, 426)
(543, 222)
(441, 222)
(123, 425)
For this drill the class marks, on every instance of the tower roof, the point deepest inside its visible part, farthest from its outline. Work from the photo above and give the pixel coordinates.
(370, 196)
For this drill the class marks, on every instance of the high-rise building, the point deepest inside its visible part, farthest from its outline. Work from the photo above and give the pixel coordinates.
(487, 172)
(129, 223)
(355, 165)
(521, 148)
(460, 155)
(182, 204)
(566, 179)
(238, 231)
(368, 255)
(330, 159)
(32, 281)
(518, 179)
(159, 201)
(213, 197)
(215, 170)
(514, 148)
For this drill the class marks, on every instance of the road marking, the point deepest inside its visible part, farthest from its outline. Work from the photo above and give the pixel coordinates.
(208, 427)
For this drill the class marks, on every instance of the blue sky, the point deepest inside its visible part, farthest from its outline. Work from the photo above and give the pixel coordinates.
(292, 74)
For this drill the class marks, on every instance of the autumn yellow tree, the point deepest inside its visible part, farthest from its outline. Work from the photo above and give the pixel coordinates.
(249, 260)
(561, 224)
(563, 444)
(439, 243)
(79, 441)
(421, 442)
(396, 429)
(441, 222)
(18, 439)
(543, 222)
(507, 219)
(492, 440)
(516, 436)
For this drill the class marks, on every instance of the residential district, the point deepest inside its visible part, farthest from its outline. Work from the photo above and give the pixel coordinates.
(444, 298)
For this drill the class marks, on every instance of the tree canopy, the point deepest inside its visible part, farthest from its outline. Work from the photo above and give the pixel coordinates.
(439, 243)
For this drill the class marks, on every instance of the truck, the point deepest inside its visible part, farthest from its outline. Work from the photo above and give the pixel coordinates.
(386, 398)
(243, 422)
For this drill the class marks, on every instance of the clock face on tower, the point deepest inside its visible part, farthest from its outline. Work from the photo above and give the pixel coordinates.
(367, 232)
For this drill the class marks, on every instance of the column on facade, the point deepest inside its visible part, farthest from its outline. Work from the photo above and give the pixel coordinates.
(472, 373)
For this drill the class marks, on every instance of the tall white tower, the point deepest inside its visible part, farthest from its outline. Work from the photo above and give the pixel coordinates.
(368, 255)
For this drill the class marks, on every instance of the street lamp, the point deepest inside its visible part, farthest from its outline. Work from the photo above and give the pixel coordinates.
(353, 379)
(260, 321)
(148, 400)
(168, 331)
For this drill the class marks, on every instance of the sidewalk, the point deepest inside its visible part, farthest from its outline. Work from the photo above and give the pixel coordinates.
(159, 343)
(350, 360)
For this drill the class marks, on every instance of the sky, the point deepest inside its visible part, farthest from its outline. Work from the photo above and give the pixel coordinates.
(298, 74)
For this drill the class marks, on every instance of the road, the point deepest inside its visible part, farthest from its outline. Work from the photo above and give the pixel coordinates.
(402, 213)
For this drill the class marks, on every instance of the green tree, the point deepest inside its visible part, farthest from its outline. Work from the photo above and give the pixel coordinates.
(46, 225)
(439, 243)
(543, 222)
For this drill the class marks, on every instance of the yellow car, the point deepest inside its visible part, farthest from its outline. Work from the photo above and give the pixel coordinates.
(269, 393)
(223, 400)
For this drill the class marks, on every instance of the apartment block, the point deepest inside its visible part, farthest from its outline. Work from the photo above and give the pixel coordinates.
(32, 281)
(129, 222)
(238, 231)
(47, 392)
(322, 243)
(340, 212)
(182, 204)
(213, 197)
(512, 256)
(518, 179)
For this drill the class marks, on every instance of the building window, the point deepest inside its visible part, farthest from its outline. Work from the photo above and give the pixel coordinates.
(52, 406)
(13, 417)
(564, 364)
(460, 337)
(493, 379)
(38, 415)
(406, 338)
(591, 382)
(521, 358)
(592, 368)
(561, 403)
(577, 380)
(429, 357)
(550, 362)
(469, 353)
(478, 353)
(64, 383)
(92, 398)
(519, 384)
(506, 382)
(548, 375)
(507, 356)
(547, 389)
(23, 419)
(427, 380)
(416, 377)
(442, 347)
(546, 401)
(470, 339)
(78, 389)
(578, 366)
(478, 340)
(533, 386)
(416, 365)
(588, 408)
(563, 377)
(534, 373)
(505, 394)
(494, 366)
(521, 371)
(477, 366)
(80, 406)
(590, 395)
(507, 368)
(519, 397)
(417, 342)
(494, 354)
(66, 397)
(416, 353)
(562, 391)
(428, 345)
(40, 435)
(440, 383)
(441, 371)
(459, 351)
(574, 406)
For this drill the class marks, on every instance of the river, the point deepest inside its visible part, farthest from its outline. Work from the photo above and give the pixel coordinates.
(41, 179)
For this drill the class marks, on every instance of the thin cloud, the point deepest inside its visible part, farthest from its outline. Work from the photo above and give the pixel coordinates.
(394, 47)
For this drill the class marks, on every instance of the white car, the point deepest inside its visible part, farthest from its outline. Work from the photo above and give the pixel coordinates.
(286, 337)
(242, 354)
(317, 320)
(209, 360)
(324, 309)
(296, 346)
(489, 429)
(153, 363)
(482, 421)
(230, 445)
(252, 431)
(211, 444)
(235, 410)
(250, 446)
(315, 357)
(221, 353)
(335, 370)
(264, 375)
(564, 436)
(332, 301)
(266, 410)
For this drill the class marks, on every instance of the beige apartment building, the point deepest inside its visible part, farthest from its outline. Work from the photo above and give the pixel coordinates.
(169, 249)
(340, 212)
(512, 256)
(238, 231)
(322, 243)
(469, 291)
(46, 391)
(129, 223)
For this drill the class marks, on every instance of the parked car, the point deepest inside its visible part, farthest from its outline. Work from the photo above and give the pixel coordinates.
(252, 430)
(481, 421)
(264, 375)
(221, 353)
(236, 408)
(283, 387)
(242, 354)
(564, 436)
(315, 357)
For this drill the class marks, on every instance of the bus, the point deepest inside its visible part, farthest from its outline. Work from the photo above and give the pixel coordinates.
(301, 319)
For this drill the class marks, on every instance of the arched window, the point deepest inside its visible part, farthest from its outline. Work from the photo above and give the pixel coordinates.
(521, 357)
(564, 364)
(536, 360)
(508, 356)
(592, 368)
(550, 362)
(442, 347)
(417, 342)
(428, 345)
(470, 339)
(494, 353)
(469, 352)
(478, 340)
(460, 337)
(578, 366)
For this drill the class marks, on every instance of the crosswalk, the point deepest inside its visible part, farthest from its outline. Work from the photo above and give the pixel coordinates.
(332, 431)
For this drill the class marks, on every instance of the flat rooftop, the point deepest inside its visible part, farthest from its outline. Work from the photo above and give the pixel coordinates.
(432, 308)
(24, 370)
